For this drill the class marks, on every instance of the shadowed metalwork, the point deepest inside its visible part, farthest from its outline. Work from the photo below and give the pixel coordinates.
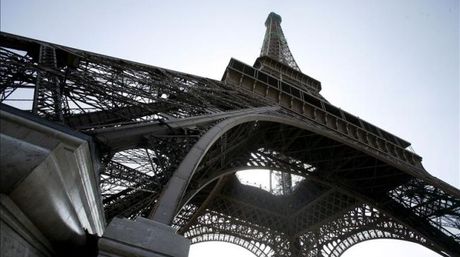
(170, 144)
(275, 45)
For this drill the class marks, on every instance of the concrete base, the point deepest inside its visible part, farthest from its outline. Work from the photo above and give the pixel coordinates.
(141, 238)
(18, 235)
(50, 200)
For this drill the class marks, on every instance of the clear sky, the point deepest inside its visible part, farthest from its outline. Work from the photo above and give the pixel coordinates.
(393, 63)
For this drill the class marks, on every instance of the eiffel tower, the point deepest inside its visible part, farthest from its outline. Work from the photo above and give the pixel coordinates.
(168, 146)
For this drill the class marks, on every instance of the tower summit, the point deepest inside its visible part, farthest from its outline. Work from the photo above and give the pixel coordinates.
(277, 60)
(275, 45)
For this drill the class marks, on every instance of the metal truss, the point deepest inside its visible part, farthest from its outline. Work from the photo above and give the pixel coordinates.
(102, 91)
(359, 182)
(359, 224)
(275, 44)
(315, 206)
(329, 225)
(431, 204)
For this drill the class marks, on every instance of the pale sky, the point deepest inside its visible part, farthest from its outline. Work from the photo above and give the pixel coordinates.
(393, 63)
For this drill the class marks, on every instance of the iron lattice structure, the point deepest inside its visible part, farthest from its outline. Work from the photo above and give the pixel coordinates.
(170, 143)
(275, 44)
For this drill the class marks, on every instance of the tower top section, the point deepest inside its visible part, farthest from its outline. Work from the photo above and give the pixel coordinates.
(275, 45)
(272, 17)
(276, 59)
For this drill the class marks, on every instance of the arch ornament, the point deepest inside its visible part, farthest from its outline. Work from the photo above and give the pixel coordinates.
(299, 241)
(165, 211)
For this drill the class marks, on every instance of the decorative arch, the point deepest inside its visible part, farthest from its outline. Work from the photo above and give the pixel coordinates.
(341, 194)
(258, 250)
(262, 244)
(368, 235)
(180, 189)
(167, 205)
(370, 224)
(406, 243)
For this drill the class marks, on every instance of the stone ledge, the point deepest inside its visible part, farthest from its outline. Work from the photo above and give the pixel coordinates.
(142, 238)
(19, 234)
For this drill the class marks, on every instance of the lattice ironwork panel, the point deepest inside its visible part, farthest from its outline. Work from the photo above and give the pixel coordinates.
(275, 44)
(358, 182)
(431, 203)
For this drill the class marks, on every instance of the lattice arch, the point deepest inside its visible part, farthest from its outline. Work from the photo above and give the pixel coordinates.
(261, 244)
(334, 200)
(367, 235)
(262, 250)
(251, 118)
(257, 249)
(371, 224)
(361, 224)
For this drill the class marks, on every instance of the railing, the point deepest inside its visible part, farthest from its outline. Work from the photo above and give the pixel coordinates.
(318, 111)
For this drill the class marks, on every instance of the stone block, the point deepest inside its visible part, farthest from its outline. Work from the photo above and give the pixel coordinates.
(141, 238)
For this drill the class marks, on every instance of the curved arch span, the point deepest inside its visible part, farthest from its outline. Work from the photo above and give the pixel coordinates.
(258, 250)
(187, 197)
(338, 249)
(378, 233)
(402, 248)
(169, 201)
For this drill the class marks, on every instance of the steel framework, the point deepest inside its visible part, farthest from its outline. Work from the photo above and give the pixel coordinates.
(275, 45)
(170, 144)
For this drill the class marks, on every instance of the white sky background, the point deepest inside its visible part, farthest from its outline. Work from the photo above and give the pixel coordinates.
(393, 63)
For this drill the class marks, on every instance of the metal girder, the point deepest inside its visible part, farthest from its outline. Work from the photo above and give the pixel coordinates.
(372, 173)
(160, 130)
(125, 137)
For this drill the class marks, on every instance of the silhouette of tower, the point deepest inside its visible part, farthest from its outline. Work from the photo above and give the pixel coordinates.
(169, 145)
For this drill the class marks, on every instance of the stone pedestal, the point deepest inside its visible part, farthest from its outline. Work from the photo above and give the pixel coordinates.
(49, 196)
(18, 235)
(141, 238)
